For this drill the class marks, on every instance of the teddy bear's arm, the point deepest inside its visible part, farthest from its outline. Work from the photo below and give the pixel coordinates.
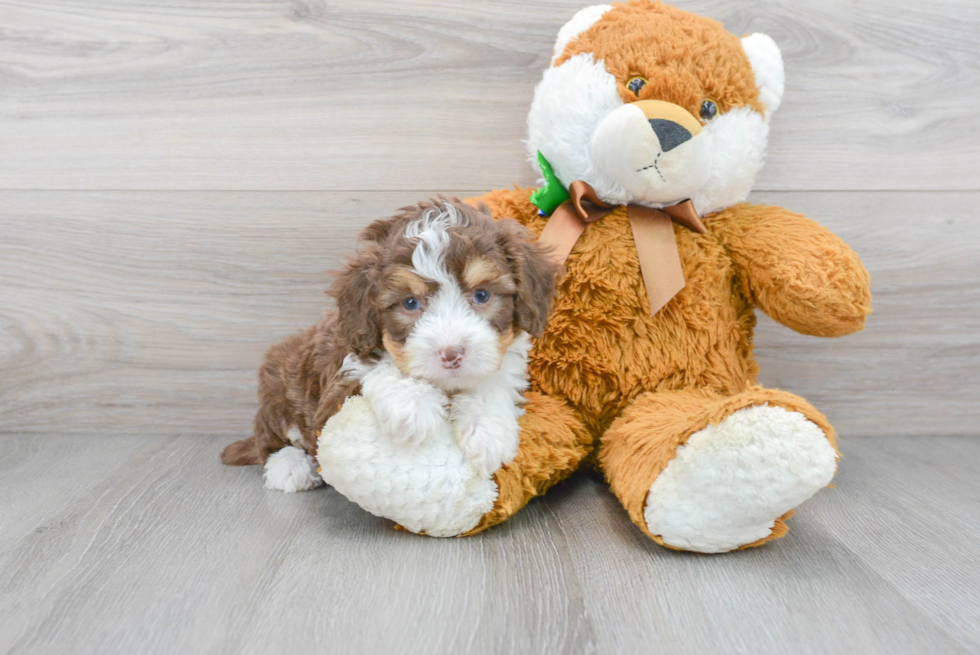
(512, 203)
(796, 270)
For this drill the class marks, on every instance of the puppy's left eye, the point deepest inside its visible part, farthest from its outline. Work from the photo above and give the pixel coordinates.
(481, 296)
(411, 304)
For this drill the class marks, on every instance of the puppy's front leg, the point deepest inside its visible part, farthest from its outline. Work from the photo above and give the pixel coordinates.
(408, 410)
(485, 417)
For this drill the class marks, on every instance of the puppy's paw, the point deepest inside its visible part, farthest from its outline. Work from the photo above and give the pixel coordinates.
(487, 443)
(291, 469)
(412, 412)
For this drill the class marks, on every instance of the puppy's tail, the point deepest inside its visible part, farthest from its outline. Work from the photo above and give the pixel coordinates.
(244, 452)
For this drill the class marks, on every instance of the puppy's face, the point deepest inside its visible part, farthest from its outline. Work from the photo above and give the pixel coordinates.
(444, 289)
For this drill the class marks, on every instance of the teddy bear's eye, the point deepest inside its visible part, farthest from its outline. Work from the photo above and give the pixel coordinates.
(636, 83)
(708, 110)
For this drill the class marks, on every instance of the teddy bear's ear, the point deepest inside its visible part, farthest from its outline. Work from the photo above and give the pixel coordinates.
(767, 64)
(583, 20)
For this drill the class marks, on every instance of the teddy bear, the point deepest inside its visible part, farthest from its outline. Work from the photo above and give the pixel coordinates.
(649, 128)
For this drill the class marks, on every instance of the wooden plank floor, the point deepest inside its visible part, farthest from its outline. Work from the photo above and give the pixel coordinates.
(136, 544)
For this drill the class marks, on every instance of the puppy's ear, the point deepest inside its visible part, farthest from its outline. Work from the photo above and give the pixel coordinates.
(355, 288)
(378, 231)
(536, 275)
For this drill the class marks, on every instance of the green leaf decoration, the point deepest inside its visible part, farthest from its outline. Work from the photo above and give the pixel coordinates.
(552, 194)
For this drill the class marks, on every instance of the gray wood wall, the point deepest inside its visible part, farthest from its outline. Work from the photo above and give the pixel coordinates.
(177, 178)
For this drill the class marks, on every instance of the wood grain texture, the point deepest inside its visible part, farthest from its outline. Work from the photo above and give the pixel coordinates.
(149, 312)
(432, 94)
(123, 544)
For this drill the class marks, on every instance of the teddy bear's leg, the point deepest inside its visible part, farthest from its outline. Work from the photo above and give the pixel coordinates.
(553, 443)
(703, 472)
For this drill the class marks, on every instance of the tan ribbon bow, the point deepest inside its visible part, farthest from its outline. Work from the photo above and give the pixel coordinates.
(653, 234)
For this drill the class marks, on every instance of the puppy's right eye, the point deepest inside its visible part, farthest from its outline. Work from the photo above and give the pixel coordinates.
(411, 304)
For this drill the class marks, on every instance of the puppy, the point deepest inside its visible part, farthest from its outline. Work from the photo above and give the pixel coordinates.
(432, 323)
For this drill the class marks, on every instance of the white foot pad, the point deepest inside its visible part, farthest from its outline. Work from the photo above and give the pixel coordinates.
(430, 488)
(730, 482)
(291, 470)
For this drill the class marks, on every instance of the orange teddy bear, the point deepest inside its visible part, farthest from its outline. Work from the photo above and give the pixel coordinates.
(646, 368)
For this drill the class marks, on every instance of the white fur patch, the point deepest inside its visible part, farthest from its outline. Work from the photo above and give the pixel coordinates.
(428, 258)
(581, 21)
(625, 147)
(568, 105)
(295, 436)
(485, 417)
(767, 64)
(442, 485)
(291, 470)
(730, 482)
(408, 410)
(736, 141)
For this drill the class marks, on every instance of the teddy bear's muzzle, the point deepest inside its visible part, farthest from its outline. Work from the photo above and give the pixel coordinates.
(672, 123)
(653, 149)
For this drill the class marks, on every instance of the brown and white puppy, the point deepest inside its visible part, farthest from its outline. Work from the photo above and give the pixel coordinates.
(428, 309)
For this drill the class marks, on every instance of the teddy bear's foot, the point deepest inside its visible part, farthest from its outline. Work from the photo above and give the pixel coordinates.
(700, 471)
(730, 482)
(291, 469)
(427, 488)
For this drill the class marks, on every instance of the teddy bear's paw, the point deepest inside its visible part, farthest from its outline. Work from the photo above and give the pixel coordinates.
(730, 482)
(428, 488)
(291, 469)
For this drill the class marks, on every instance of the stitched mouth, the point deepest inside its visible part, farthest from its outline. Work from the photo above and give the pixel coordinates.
(654, 166)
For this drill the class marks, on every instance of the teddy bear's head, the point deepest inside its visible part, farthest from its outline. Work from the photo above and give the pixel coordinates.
(653, 105)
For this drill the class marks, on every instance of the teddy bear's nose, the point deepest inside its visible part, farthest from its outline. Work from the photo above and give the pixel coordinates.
(672, 124)
(671, 134)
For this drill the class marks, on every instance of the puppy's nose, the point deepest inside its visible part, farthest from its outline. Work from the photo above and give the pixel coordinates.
(671, 134)
(452, 357)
